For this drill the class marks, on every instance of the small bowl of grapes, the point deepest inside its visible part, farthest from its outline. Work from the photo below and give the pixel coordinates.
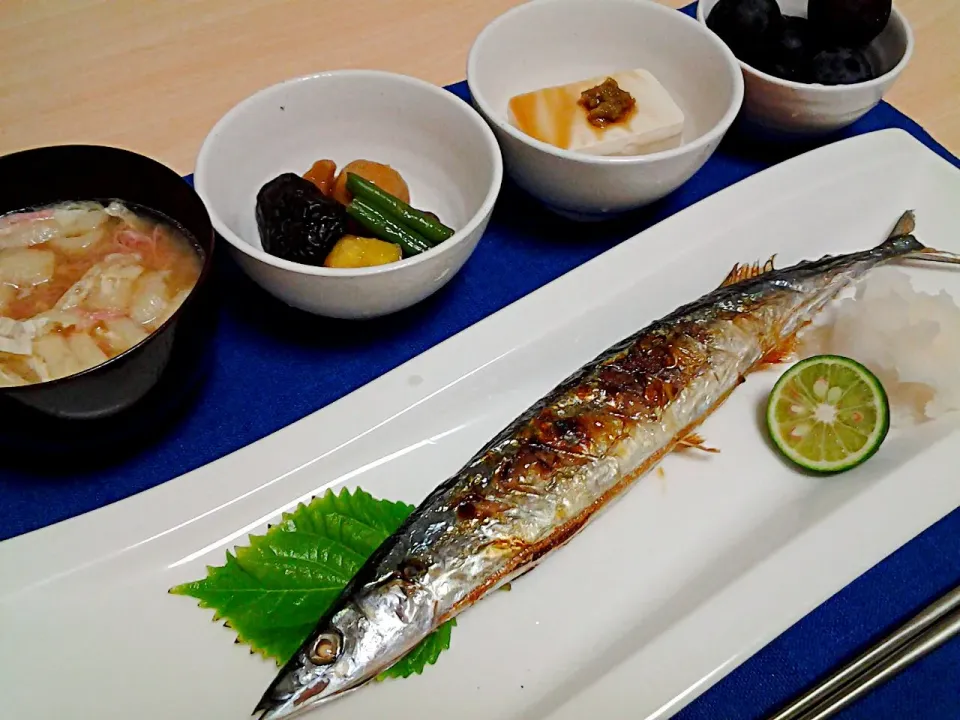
(811, 67)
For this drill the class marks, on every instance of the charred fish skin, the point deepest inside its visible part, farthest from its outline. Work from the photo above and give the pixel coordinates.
(540, 480)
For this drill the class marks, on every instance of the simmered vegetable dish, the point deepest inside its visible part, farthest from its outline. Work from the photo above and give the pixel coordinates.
(358, 217)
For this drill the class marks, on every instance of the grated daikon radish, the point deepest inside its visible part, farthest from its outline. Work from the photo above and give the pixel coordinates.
(909, 339)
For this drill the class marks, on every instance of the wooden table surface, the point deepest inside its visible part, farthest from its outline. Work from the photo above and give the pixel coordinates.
(155, 76)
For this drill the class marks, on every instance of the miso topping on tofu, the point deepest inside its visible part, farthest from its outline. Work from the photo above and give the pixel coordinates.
(606, 103)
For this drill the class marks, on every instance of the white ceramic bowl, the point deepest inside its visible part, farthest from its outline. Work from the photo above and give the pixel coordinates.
(783, 108)
(439, 144)
(553, 42)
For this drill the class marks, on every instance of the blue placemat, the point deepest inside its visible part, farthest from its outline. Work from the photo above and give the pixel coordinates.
(299, 363)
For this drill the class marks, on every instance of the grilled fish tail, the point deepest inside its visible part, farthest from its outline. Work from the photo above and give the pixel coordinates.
(901, 243)
(905, 225)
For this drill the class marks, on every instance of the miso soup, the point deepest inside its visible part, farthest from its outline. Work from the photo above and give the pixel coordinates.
(81, 282)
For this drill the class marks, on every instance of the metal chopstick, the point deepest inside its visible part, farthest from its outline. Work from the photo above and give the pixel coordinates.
(849, 674)
(928, 641)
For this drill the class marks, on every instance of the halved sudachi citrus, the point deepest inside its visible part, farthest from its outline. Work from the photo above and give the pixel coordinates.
(828, 413)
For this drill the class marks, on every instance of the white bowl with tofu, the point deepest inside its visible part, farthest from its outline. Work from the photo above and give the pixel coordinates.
(526, 72)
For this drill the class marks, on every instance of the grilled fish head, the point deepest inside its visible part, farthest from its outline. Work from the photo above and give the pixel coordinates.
(364, 634)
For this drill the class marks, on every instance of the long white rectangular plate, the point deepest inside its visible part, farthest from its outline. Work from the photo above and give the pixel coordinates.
(673, 587)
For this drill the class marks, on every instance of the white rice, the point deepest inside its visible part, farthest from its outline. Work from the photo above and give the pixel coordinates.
(909, 339)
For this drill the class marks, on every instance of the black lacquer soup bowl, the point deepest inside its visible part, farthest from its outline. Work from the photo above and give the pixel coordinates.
(130, 397)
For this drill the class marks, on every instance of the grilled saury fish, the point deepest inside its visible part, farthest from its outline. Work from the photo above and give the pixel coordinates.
(536, 484)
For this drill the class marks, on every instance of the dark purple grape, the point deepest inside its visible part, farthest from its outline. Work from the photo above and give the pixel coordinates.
(841, 66)
(749, 27)
(785, 71)
(792, 55)
(849, 23)
(297, 222)
(797, 45)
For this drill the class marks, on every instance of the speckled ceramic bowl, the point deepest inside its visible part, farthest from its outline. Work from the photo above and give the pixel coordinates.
(786, 109)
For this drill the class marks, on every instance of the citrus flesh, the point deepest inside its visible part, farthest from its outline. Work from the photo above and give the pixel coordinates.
(828, 413)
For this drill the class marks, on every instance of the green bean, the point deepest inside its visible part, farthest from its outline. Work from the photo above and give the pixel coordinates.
(429, 228)
(385, 228)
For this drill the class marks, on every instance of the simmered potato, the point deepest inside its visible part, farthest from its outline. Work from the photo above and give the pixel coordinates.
(383, 176)
(352, 251)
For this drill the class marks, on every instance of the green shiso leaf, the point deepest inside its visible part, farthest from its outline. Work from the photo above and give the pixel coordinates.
(272, 592)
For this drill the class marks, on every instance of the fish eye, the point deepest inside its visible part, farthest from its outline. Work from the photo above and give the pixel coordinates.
(326, 649)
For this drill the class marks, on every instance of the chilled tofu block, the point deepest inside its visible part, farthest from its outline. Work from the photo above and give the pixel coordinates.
(624, 113)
